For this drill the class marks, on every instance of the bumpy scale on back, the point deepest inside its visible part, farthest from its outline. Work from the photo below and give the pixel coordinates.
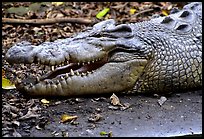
(176, 45)
(162, 55)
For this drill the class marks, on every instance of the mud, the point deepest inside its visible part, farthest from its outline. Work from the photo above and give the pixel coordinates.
(180, 115)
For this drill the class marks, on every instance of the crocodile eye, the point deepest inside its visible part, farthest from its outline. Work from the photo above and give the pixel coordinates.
(119, 31)
(121, 28)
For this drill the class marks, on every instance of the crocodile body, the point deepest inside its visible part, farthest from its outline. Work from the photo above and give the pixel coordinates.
(162, 55)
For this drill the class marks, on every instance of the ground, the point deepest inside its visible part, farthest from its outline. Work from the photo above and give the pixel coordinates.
(139, 115)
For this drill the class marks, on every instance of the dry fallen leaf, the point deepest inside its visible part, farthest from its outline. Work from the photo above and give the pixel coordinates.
(44, 101)
(165, 12)
(95, 118)
(125, 106)
(65, 134)
(16, 123)
(162, 100)
(38, 128)
(67, 118)
(57, 3)
(7, 84)
(115, 100)
(110, 134)
(32, 113)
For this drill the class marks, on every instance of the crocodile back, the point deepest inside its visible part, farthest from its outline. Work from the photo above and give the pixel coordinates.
(174, 45)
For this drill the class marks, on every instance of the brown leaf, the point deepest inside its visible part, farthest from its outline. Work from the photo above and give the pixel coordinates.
(30, 114)
(115, 100)
(162, 100)
(3, 73)
(95, 118)
(44, 101)
(67, 118)
(125, 106)
(57, 3)
(16, 123)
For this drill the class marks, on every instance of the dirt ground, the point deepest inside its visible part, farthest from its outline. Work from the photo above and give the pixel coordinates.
(140, 115)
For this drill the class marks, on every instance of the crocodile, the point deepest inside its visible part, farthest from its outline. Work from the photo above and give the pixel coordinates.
(161, 55)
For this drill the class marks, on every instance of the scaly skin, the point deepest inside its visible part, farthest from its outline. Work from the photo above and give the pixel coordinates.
(162, 55)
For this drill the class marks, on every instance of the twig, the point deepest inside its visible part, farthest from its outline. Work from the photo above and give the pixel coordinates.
(144, 11)
(46, 21)
(119, 6)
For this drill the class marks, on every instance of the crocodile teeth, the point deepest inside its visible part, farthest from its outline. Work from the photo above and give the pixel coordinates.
(51, 82)
(52, 68)
(62, 78)
(57, 82)
(88, 62)
(46, 82)
(83, 74)
(66, 75)
(71, 72)
(82, 63)
(38, 79)
(78, 64)
(77, 73)
(93, 61)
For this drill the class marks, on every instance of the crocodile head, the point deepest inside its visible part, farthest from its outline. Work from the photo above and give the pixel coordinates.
(103, 59)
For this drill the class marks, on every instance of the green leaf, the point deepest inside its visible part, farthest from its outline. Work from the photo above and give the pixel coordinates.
(6, 84)
(102, 133)
(102, 13)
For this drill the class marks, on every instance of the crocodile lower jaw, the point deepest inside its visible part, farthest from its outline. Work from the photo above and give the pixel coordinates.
(96, 82)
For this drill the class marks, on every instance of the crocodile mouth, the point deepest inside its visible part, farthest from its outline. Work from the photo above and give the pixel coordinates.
(74, 69)
(66, 70)
(54, 74)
